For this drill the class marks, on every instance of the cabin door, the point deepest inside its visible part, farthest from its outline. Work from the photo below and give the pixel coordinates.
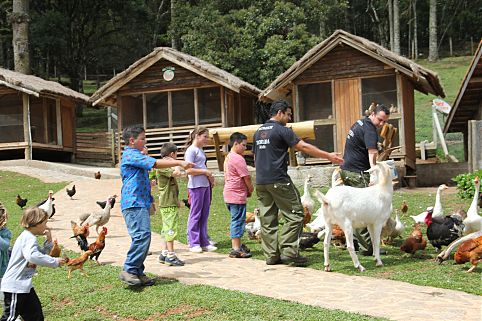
(347, 108)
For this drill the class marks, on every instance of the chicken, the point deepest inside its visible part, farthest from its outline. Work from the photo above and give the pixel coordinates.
(392, 229)
(306, 199)
(98, 245)
(101, 218)
(103, 203)
(414, 242)
(470, 251)
(71, 192)
(420, 218)
(443, 230)
(80, 234)
(254, 228)
(404, 207)
(370, 109)
(22, 202)
(98, 175)
(307, 215)
(250, 215)
(186, 203)
(55, 251)
(47, 204)
(308, 240)
(78, 263)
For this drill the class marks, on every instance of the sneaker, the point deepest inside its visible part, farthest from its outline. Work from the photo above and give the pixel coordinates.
(209, 248)
(130, 279)
(162, 258)
(238, 254)
(173, 261)
(147, 281)
(273, 260)
(212, 242)
(296, 260)
(245, 249)
(196, 249)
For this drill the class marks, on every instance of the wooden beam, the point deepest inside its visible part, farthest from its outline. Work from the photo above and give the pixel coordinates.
(27, 132)
(19, 145)
(196, 108)
(21, 89)
(169, 108)
(45, 119)
(217, 148)
(144, 111)
(223, 107)
(58, 118)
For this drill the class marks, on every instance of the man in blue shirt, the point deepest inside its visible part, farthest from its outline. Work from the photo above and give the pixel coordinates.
(136, 201)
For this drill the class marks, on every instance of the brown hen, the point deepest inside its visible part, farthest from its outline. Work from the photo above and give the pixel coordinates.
(78, 263)
(470, 251)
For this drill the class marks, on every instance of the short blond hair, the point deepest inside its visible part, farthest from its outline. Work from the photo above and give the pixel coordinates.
(33, 216)
(3, 216)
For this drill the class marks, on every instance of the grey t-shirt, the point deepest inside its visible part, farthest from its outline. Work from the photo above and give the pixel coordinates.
(270, 147)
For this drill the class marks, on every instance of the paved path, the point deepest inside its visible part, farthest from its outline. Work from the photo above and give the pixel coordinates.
(376, 297)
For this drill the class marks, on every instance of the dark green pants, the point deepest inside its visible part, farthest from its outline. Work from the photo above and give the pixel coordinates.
(360, 180)
(284, 198)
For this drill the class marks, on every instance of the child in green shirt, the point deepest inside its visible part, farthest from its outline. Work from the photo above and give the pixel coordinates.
(168, 204)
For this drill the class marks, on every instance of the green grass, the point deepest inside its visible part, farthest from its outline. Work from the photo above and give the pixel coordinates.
(102, 296)
(451, 72)
(421, 270)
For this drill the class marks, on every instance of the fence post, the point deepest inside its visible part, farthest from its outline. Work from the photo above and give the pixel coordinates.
(475, 145)
(112, 146)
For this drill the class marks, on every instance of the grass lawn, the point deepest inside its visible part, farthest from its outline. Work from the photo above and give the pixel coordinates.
(102, 296)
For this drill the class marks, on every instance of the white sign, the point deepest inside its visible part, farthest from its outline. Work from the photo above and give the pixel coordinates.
(441, 105)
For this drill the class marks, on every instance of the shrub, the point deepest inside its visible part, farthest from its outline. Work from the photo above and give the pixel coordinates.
(465, 183)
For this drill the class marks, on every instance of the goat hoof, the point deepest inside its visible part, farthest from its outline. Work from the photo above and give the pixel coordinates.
(379, 264)
(327, 268)
(361, 268)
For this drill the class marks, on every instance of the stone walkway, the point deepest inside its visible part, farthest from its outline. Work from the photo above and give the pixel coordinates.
(376, 297)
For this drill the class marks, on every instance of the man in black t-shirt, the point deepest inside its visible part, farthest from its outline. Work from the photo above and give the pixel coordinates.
(274, 188)
(361, 153)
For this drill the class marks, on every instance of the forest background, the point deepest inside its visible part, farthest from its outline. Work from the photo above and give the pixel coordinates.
(257, 40)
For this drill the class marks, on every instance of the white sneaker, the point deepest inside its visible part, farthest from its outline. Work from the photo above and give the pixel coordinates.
(209, 248)
(196, 249)
(212, 242)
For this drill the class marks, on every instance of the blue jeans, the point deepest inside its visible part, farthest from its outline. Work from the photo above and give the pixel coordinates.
(138, 222)
(238, 219)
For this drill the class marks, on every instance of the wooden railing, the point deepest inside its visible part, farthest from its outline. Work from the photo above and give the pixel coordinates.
(95, 148)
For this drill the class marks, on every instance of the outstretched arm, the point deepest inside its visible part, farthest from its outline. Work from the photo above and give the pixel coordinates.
(314, 151)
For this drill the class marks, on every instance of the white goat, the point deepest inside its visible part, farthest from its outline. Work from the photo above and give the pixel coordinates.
(352, 207)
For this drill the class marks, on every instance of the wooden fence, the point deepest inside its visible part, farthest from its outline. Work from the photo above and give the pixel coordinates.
(96, 148)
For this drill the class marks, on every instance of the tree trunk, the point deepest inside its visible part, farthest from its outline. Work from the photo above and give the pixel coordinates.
(20, 19)
(175, 41)
(396, 27)
(415, 41)
(432, 26)
(390, 22)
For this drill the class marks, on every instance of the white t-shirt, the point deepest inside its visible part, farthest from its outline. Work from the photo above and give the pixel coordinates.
(18, 277)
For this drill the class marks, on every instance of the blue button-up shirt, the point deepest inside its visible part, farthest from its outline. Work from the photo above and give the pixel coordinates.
(134, 170)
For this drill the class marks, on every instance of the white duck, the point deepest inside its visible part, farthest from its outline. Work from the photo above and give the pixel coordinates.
(473, 221)
(254, 228)
(420, 218)
(306, 199)
(47, 204)
(437, 208)
(392, 228)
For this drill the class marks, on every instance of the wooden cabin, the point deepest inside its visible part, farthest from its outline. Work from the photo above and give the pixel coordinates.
(338, 79)
(37, 117)
(169, 93)
(468, 107)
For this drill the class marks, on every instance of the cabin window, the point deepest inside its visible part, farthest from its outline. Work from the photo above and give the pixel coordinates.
(209, 105)
(315, 101)
(11, 119)
(132, 110)
(324, 137)
(157, 110)
(183, 107)
(51, 115)
(396, 139)
(381, 90)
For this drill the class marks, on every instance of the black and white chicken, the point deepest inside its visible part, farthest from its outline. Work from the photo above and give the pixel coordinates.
(442, 231)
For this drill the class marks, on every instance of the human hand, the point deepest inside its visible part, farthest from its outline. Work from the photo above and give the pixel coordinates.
(335, 158)
(62, 260)
(153, 182)
(186, 165)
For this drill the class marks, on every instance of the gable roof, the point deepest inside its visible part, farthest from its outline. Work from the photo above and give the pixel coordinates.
(423, 79)
(36, 86)
(184, 60)
(469, 97)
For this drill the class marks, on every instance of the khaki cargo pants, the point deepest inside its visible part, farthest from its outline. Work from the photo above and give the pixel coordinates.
(284, 198)
(360, 180)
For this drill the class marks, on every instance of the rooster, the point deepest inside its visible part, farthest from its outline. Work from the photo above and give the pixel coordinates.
(22, 202)
(98, 175)
(98, 245)
(78, 263)
(414, 242)
(80, 234)
(404, 207)
(99, 219)
(55, 251)
(71, 192)
(470, 251)
(443, 230)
